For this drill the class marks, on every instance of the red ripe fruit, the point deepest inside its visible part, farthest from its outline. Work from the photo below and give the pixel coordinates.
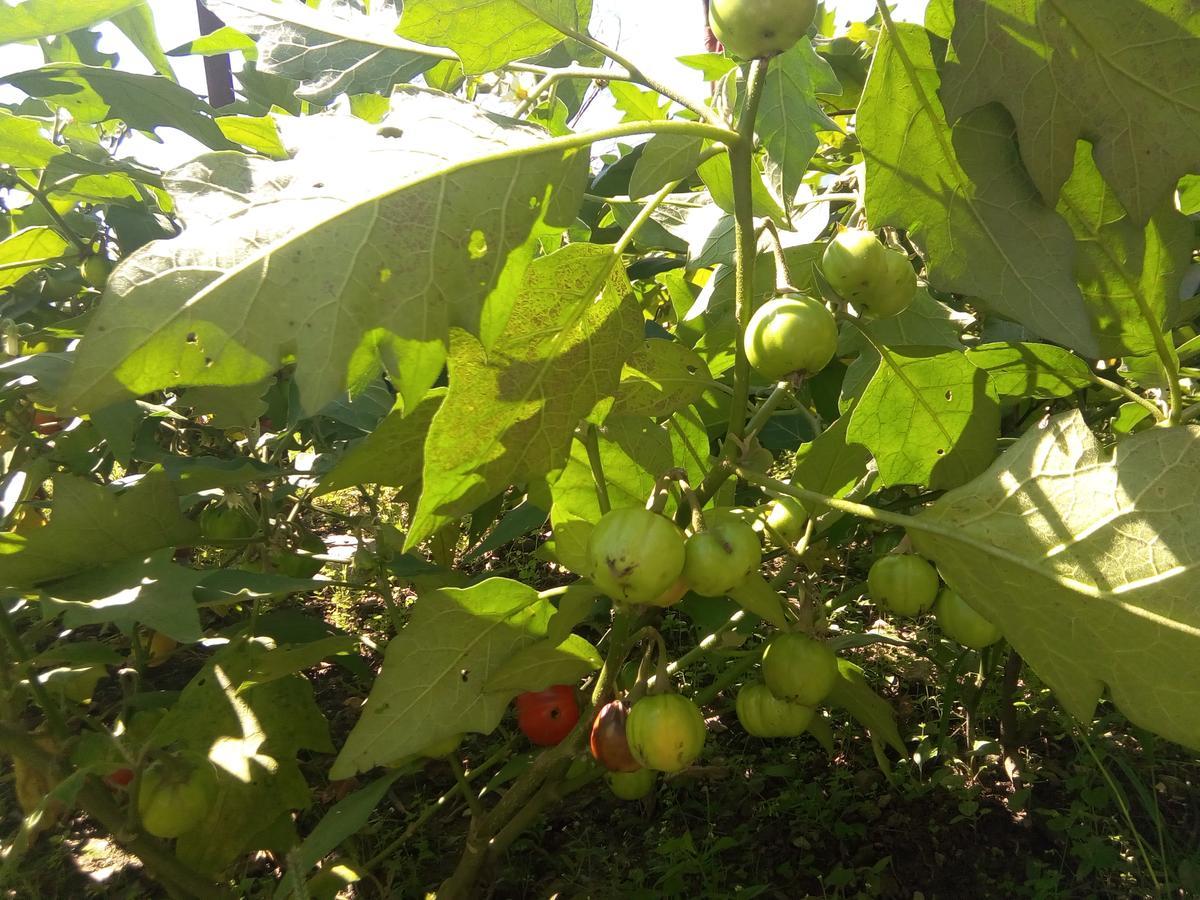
(119, 778)
(546, 717)
(609, 745)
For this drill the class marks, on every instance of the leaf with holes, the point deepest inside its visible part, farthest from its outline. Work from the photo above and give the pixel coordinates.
(510, 411)
(330, 257)
(434, 672)
(1087, 558)
(929, 417)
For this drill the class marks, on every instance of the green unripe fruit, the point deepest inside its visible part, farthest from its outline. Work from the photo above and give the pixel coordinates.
(799, 668)
(631, 785)
(787, 518)
(719, 559)
(855, 265)
(790, 335)
(665, 732)
(755, 28)
(764, 715)
(95, 271)
(635, 554)
(904, 583)
(960, 622)
(897, 287)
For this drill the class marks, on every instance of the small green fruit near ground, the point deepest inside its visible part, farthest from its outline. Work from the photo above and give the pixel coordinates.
(665, 732)
(790, 335)
(904, 583)
(635, 555)
(787, 517)
(855, 265)
(755, 28)
(764, 715)
(175, 795)
(300, 565)
(799, 668)
(720, 558)
(225, 523)
(897, 287)
(632, 785)
(959, 622)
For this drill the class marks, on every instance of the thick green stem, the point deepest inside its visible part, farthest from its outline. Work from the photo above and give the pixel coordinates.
(591, 442)
(52, 711)
(741, 161)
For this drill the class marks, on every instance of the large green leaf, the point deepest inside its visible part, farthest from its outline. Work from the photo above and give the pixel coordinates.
(94, 94)
(1112, 72)
(435, 671)
(486, 34)
(364, 248)
(929, 417)
(965, 198)
(328, 51)
(392, 454)
(1019, 371)
(661, 377)
(23, 143)
(29, 244)
(789, 115)
(33, 19)
(91, 526)
(511, 410)
(153, 591)
(1087, 558)
(1129, 273)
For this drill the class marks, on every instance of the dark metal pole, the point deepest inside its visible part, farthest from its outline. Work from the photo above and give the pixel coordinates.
(217, 71)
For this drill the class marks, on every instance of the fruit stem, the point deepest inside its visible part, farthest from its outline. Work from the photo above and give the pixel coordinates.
(782, 391)
(591, 442)
(783, 275)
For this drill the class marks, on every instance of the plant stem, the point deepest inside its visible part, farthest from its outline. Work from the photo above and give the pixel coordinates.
(783, 276)
(782, 391)
(741, 161)
(67, 231)
(1132, 395)
(52, 711)
(36, 263)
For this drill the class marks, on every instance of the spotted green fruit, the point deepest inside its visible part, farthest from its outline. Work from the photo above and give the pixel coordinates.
(635, 555)
(790, 335)
(721, 557)
(959, 622)
(799, 668)
(904, 583)
(665, 732)
(755, 28)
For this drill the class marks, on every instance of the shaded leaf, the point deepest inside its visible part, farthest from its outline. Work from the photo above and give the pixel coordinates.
(1086, 558)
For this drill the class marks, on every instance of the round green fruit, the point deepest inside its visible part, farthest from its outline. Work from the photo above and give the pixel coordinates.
(224, 523)
(720, 558)
(635, 554)
(959, 621)
(904, 583)
(787, 517)
(754, 28)
(95, 271)
(631, 785)
(855, 265)
(896, 290)
(303, 564)
(174, 796)
(764, 715)
(665, 732)
(790, 335)
(799, 668)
